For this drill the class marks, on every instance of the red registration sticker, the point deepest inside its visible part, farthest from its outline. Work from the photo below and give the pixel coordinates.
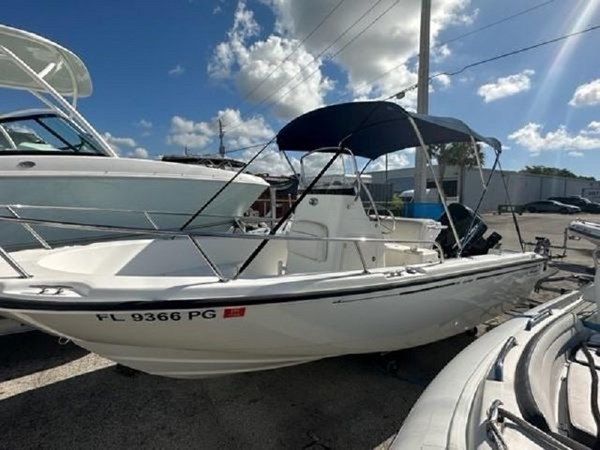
(229, 313)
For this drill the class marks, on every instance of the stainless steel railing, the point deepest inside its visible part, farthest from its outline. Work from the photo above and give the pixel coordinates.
(191, 234)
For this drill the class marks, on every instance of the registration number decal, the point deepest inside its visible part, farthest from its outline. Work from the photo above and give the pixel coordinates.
(174, 316)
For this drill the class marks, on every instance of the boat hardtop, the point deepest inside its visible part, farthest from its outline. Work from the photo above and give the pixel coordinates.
(60, 67)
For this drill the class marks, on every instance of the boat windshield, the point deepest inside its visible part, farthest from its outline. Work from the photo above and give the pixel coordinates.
(45, 133)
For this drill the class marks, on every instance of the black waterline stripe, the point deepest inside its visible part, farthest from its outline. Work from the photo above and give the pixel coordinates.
(439, 286)
(154, 305)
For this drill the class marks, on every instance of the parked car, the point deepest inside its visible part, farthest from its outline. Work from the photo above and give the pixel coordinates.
(585, 204)
(550, 206)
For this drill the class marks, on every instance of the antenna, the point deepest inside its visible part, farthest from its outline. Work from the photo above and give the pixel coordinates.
(221, 134)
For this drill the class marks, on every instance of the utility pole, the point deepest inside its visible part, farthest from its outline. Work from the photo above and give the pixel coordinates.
(221, 135)
(422, 99)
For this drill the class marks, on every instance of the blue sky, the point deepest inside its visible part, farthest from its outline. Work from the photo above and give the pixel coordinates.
(164, 71)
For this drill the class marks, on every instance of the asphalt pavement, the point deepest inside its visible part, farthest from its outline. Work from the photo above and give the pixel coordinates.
(60, 396)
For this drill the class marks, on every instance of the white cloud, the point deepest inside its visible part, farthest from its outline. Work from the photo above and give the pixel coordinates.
(239, 132)
(143, 123)
(587, 94)
(575, 154)
(439, 54)
(506, 86)
(119, 144)
(532, 138)
(177, 70)
(592, 128)
(260, 69)
(138, 152)
(396, 160)
(443, 80)
(389, 45)
(145, 126)
(270, 162)
(228, 52)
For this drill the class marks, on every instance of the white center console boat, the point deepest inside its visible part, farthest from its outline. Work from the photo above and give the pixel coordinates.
(195, 304)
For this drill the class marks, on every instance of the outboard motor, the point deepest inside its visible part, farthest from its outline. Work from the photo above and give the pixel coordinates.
(471, 237)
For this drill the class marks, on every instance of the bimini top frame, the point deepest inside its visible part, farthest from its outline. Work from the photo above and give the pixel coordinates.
(49, 72)
(373, 129)
(368, 130)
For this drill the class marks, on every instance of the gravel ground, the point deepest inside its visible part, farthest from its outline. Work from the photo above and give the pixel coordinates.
(60, 396)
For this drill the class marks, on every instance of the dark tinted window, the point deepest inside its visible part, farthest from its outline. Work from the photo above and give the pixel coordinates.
(45, 133)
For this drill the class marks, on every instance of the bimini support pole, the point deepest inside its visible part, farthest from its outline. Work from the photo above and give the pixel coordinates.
(59, 99)
(481, 197)
(512, 209)
(287, 215)
(225, 186)
(435, 180)
(476, 152)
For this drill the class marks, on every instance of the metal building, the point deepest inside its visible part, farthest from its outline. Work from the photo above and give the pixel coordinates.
(465, 185)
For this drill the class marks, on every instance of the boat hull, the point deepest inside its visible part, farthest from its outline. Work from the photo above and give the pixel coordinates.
(504, 368)
(116, 184)
(292, 322)
(589, 231)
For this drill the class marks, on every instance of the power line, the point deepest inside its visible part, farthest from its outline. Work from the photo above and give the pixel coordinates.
(315, 58)
(345, 46)
(307, 37)
(454, 39)
(464, 35)
(501, 56)
(496, 58)
(260, 144)
(498, 22)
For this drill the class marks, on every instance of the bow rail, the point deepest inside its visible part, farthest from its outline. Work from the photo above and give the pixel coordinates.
(190, 234)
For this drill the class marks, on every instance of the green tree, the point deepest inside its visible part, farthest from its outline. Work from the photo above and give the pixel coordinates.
(460, 154)
(396, 204)
(553, 171)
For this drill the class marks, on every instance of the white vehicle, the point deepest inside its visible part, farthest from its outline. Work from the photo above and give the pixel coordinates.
(201, 304)
(592, 194)
(531, 383)
(431, 196)
(55, 158)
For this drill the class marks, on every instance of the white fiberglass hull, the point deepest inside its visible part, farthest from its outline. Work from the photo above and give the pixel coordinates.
(526, 366)
(8, 326)
(586, 230)
(205, 328)
(117, 184)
